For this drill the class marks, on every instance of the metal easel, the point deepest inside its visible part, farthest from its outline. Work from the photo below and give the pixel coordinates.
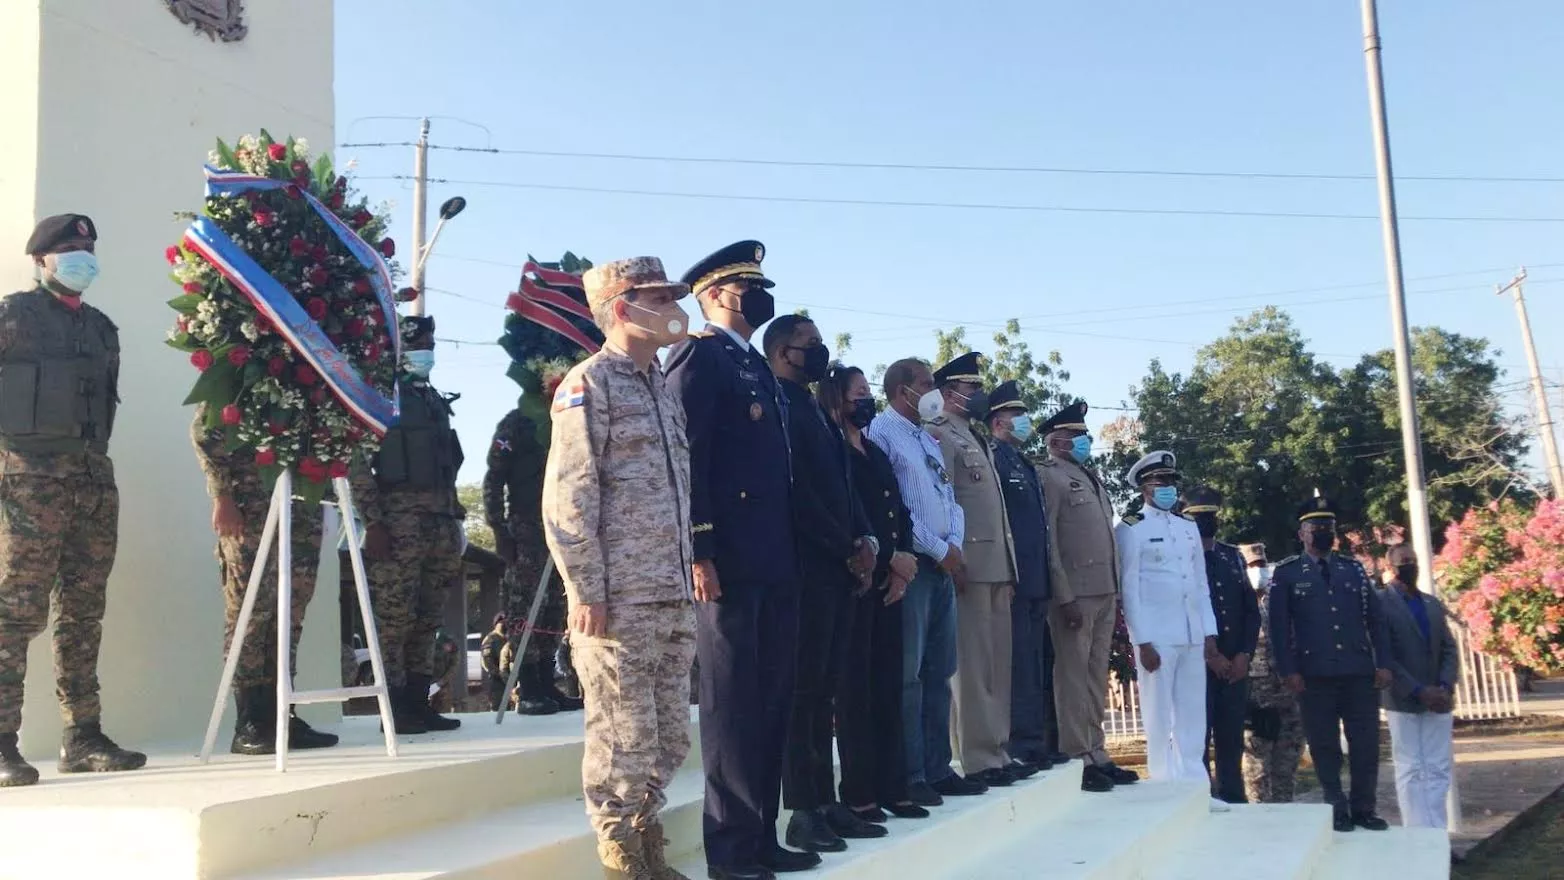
(526, 636)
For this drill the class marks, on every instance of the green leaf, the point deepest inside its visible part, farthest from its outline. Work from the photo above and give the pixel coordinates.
(325, 175)
(212, 417)
(231, 441)
(309, 491)
(217, 386)
(186, 303)
(254, 371)
(182, 342)
(226, 155)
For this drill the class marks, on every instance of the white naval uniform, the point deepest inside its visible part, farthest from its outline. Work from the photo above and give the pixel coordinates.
(1167, 602)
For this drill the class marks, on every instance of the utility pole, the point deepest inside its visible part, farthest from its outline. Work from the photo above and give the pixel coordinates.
(1411, 443)
(1544, 410)
(420, 212)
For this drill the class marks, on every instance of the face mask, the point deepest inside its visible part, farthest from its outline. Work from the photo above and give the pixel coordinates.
(931, 405)
(976, 405)
(668, 330)
(1322, 541)
(757, 306)
(1258, 575)
(1206, 523)
(1164, 497)
(1022, 428)
(419, 363)
(1407, 574)
(1081, 448)
(75, 269)
(862, 413)
(817, 359)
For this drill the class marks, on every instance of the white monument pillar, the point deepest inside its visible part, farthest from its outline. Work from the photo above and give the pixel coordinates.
(110, 108)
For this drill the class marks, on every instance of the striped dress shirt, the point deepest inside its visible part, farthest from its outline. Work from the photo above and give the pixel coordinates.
(937, 520)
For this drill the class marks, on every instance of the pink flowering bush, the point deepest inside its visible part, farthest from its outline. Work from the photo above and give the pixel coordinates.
(1504, 574)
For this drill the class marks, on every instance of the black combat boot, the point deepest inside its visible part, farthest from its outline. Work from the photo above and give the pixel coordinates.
(84, 749)
(302, 736)
(548, 685)
(419, 684)
(255, 722)
(532, 699)
(13, 770)
(405, 715)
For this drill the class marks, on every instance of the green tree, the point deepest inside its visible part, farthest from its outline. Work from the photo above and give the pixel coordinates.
(478, 532)
(1040, 381)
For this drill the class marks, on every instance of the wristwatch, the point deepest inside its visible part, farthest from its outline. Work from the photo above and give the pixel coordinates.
(874, 544)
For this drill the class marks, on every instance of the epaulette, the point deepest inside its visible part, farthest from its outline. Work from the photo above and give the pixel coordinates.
(702, 334)
(1133, 518)
(1290, 559)
(940, 419)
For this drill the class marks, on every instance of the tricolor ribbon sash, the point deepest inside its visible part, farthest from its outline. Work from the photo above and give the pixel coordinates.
(277, 303)
(542, 305)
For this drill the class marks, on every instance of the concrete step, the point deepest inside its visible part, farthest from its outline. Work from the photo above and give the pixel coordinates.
(1400, 853)
(1253, 841)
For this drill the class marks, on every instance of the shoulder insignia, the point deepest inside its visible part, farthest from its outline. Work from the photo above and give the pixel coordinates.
(568, 396)
(939, 420)
(1133, 518)
(501, 444)
(1288, 561)
(702, 334)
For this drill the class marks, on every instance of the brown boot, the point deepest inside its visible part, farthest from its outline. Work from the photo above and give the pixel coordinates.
(655, 844)
(624, 859)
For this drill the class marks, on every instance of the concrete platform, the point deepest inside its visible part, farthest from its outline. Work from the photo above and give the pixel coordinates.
(485, 803)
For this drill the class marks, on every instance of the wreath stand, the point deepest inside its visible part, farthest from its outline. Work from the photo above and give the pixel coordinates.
(526, 636)
(279, 528)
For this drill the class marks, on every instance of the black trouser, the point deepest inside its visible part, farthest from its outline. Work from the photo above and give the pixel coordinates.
(1333, 703)
(746, 642)
(1227, 705)
(825, 618)
(496, 684)
(868, 706)
(1034, 726)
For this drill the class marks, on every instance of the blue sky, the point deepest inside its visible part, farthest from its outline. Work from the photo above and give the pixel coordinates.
(1216, 86)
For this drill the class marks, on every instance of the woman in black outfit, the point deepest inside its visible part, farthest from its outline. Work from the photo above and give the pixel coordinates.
(868, 700)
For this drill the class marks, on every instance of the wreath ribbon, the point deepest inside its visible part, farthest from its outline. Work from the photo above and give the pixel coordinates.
(542, 305)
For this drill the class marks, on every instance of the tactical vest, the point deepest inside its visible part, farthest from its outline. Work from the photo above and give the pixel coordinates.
(420, 451)
(58, 376)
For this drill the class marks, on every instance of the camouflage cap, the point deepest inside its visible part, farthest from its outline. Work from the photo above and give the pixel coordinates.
(1253, 553)
(607, 281)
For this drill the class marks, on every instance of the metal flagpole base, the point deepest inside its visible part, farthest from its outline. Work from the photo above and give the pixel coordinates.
(526, 636)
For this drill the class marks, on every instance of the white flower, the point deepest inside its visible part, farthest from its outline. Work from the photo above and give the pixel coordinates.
(213, 159)
(301, 147)
(249, 142)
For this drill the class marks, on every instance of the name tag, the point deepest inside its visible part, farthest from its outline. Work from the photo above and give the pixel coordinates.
(1156, 541)
(747, 376)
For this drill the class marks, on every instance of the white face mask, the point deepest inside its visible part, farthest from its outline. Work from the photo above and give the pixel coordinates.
(931, 405)
(671, 327)
(1259, 576)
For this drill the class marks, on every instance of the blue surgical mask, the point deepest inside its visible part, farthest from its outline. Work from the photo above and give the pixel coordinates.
(419, 362)
(75, 269)
(1164, 497)
(1022, 428)
(1081, 448)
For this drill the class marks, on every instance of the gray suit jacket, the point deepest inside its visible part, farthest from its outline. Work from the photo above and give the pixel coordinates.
(1414, 661)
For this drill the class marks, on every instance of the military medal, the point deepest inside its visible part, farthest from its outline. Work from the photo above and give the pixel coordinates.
(755, 412)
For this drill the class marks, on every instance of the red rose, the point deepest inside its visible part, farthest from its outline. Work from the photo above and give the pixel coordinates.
(313, 469)
(318, 253)
(355, 328)
(239, 356)
(275, 367)
(299, 166)
(316, 307)
(202, 360)
(362, 218)
(298, 247)
(318, 397)
(264, 218)
(361, 287)
(265, 457)
(183, 323)
(388, 248)
(172, 254)
(277, 152)
(277, 429)
(263, 325)
(232, 415)
(407, 294)
(335, 202)
(340, 184)
(194, 287)
(337, 470)
(294, 191)
(372, 351)
(318, 276)
(302, 181)
(304, 375)
(354, 434)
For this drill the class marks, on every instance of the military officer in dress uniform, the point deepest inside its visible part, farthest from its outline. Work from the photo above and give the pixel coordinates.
(1238, 631)
(1083, 571)
(984, 591)
(746, 577)
(1167, 608)
(59, 508)
(1034, 729)
(1332, 649)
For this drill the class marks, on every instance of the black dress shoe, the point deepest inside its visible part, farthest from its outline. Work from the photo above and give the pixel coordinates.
(1119, 775)
(955, 785)
(922, 794)
(809, 831)
(1342, 822)
(742, 872)
(848, 825)
(1023, 769)
(907, 811)
(1095, 779)
(786, 861)
(1058, 759)
(996, 777)
(1369, 822)
(873, 814)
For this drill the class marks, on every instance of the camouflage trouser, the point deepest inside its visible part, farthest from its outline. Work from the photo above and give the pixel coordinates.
(236, 558)
(522, 584)
(637, 688)
(1271, 765)
(407, 589)
(57, 541)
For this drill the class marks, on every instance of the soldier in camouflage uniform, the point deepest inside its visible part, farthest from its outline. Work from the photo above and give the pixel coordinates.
(1273, 740)
(241, 500)
(616, 509)
(512, 505)
(59, 507)
(413, 531)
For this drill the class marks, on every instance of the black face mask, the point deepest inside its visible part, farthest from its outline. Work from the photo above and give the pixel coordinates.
(977, 406)
(757, 306)
(817, 360)
(862, 413)
(1206, 523)
(1322, 541)
(1407, 574)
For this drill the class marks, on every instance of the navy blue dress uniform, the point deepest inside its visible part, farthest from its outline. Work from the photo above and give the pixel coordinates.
(1237, 612)
(741, 512)
(1034, 727)
(1327, 627)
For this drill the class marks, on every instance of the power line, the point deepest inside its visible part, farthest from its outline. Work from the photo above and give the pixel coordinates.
(968, 206)
(986, 169)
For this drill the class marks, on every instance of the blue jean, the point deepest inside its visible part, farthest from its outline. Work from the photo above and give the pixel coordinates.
(928, 661)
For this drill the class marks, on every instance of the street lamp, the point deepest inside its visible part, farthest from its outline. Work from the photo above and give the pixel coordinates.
(449, 209)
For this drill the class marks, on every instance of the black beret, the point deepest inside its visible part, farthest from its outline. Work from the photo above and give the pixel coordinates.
(738, 261)
(50, 231)
(966, 368)
(1006, 395)
(414, 326)
(1071, 418)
